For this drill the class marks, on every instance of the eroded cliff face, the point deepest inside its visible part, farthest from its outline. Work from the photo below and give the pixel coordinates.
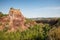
(16, 19)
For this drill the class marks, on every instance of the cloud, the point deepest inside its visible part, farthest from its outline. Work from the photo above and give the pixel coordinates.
(42, 12)
(50, 8)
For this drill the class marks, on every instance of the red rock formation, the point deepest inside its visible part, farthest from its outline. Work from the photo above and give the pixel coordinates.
(16, 19)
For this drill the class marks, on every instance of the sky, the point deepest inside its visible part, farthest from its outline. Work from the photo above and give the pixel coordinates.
(32, 8)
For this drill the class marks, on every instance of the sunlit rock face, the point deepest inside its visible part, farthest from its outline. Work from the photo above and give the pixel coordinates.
(16, 19)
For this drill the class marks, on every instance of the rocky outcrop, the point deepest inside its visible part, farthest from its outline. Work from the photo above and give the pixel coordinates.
(16, 19)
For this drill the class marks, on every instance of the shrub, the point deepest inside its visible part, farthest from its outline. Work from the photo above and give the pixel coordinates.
(1, 14)
(36, 32)
(54, 33)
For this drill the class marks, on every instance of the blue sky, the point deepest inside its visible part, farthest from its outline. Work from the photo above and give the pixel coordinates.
(33, 8)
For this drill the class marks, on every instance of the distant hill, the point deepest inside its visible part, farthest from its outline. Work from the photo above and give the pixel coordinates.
(51, 21)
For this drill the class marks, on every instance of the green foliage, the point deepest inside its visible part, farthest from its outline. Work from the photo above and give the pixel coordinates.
(54, 33)
(36, 32)
(58, 24)
(1, 14)
(46, 29)
(28, 20)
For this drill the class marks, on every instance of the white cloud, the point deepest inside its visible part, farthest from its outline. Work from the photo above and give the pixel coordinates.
(42, 12)
(50, 8)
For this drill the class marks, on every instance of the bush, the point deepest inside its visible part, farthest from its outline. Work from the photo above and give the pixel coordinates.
(54, 33)
(1, 14)
(58, 23)
(36, 32)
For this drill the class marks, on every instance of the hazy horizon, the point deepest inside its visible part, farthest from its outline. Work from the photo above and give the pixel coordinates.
(33, 8)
